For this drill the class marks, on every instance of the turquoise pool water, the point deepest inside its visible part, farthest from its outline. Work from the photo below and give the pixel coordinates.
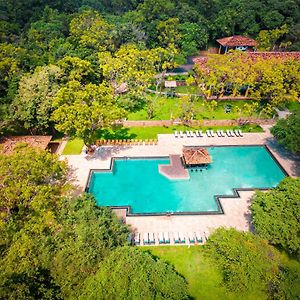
(137, 182)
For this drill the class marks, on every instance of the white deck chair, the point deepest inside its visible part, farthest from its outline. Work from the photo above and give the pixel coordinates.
(137, 238)
(222, 133)
(146, 238)
(181, 134)
(197, 133)
(236, 133)
(191, 237)
(200, 133)
(182, 237)
(176, 238)
(161, 239)
(199, 237)
(151, 238)
(212, 133)
(166, 237)
(208, 133)
(176, 134)
(240, 132)
(228, 133)
(187, 133)
(191, 133)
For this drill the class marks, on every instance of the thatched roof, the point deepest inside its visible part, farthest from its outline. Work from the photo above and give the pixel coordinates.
(237, 40)
(196, 156)
(7, 144)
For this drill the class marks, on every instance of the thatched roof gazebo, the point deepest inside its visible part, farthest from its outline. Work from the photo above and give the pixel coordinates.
(195, 156)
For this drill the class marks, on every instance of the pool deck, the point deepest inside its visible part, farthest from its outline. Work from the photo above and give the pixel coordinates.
(236, 211)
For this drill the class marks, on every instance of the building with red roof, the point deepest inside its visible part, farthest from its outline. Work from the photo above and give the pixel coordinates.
(236, 42)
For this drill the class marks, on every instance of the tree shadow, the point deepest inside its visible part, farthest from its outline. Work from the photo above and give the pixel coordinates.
(118, 132)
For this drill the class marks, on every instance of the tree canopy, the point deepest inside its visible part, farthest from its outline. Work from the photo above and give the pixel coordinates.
(276, 215)
(286, 131)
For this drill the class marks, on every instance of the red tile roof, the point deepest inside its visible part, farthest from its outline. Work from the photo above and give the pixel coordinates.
(7, 144)
(237, 40)
(196, 156)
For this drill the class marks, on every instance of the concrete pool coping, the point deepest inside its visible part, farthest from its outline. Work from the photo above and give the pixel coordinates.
(235, 191)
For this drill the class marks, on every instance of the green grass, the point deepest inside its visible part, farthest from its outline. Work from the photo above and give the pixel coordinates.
(73, 147)
(201, 273)
(167, 108)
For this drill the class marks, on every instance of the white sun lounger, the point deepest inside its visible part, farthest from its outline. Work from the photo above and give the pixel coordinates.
(212, 133)
(228, 133)
(200, 133)
(187, 133)
(137, 239)
(182, 237)
(222, 133)
(232, 133)
(240, 132)
(191, 237)
(197, 133)
(219, 133)
(151, 238)
(176, 134)
(236, 133)
(166, 237)
(208, 133)
(191, 133)
(161, 239)
(181, 134)
(199, 237)
(146, 238)
(176, 238)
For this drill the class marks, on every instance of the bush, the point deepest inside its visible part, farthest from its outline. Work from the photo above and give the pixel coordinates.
(129, 273)
(276, 215)
(247, 261)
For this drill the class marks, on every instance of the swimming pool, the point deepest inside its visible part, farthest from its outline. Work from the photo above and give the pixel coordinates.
(136, 183)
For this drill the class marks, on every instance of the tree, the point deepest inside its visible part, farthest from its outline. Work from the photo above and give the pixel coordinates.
(169, 33)
(87, 234)
(246, 260)
(91, 30)
(129, 273)
(27, 177)
(32, 107)
(82, 110)
(276, 215)
(286, 131)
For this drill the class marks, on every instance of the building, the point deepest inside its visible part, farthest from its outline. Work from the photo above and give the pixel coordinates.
(236, 42)
(195, 156)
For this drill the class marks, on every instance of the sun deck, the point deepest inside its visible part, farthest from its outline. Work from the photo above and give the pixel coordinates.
(175, 169)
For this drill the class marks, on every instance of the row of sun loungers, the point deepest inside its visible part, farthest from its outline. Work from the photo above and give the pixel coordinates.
(209, 133)
(165, 238)
(125, 142)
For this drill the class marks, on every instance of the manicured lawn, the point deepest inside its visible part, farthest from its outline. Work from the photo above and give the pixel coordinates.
(73, 146)
(167, 108)
(201, 272)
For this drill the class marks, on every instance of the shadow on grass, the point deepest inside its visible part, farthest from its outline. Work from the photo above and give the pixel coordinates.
(116, 133)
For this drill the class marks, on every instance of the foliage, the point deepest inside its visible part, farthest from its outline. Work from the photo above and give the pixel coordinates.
(81, 110)
(33, 105)
(276, 215)
(27, 177)
(286, 131)
(129, 273)
(247, 261)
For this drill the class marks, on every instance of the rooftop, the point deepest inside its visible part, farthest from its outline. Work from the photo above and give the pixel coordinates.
(7, 144)
(196, 156)
(237, 40)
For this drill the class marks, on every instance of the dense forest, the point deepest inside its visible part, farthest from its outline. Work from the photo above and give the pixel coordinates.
(51, 48)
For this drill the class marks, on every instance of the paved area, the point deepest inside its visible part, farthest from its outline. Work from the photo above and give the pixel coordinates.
(175, 169)
(236, 210)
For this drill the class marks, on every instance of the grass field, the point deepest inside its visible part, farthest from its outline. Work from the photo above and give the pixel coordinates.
(73, 147)
(168, 108)
(201, 273)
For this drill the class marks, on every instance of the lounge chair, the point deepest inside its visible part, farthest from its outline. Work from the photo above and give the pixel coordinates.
(228, 133)
(219, 133)
(199, 238)
(240, 132)
(191, 237)
(137, 239)
(187, 133)
(208, 133)
(236, 133)
(176, 238)
(181, 134)
(222, 133)
(192, 133)
(197, 133)
(200, 133)
(146, 239)
(212, 133)
(182, 238)
(151, 238)
(161, 239)
(176, 134)
(232, 133)
(166, 237)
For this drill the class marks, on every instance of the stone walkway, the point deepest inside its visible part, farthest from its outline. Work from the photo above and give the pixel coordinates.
(236, 210)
